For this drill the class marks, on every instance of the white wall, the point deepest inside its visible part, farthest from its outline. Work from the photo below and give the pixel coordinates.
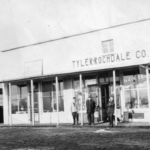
(57, 56)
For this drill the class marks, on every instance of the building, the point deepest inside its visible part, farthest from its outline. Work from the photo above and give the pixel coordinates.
(91, 50)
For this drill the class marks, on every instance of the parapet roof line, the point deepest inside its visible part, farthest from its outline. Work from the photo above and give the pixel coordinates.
(74, 35)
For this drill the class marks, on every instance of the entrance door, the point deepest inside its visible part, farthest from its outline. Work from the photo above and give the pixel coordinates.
(93, 92)
(104, 100)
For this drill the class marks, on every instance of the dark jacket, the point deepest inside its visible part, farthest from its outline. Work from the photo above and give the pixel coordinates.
(110, 107)
(90, 106)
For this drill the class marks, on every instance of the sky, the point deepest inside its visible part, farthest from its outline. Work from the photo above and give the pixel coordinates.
(25, 22)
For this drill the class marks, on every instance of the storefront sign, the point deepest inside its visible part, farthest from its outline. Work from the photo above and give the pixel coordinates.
(110, 59)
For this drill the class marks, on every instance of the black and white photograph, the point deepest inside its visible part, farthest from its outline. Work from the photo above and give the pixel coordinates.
(74, 74)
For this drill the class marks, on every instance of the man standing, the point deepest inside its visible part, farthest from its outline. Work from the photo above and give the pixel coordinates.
(90, 106)
(74, 110)
(110, 110)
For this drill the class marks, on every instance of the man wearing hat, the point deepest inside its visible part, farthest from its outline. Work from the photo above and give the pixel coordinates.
(90, 107)
(110, 110)
(74, 110)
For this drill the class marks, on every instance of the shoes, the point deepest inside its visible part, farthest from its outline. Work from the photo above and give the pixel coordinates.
(77, 123)
(73, 124)
(111, 126)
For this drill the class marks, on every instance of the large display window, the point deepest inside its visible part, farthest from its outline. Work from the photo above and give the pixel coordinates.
(19, 96)
(78, 94)
(135, 89)
(86, 90)
(49, 96)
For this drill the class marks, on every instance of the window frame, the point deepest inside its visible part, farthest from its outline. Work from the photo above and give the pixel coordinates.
(52, 95)
(19, 98)
(137, 89)
(108, 45)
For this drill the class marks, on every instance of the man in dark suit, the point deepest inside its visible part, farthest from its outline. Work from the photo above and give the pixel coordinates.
(90, 106)
(110, 110)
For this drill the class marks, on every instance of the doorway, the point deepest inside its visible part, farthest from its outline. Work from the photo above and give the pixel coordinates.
(100, 94)
(104, 101)
(93, 93)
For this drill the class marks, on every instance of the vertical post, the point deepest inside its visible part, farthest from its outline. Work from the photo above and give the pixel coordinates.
(9, 103)
(32, 102)
(114, 84)
(121, 94)
(57, 100)
(148, 88)
(81, 100)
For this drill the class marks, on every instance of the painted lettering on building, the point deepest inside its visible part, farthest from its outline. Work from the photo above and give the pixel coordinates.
(109, 58)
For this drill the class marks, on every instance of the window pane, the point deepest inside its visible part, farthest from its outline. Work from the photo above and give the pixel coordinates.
(92, 88)
(47, 104)
(130, 81)
(23, 92)
(1, 93)
(46, 88)
(54, 104)
(14, 92)
(54, 89)
(35, 86)
(61, 103)
(35, 96)
(36, 107)
(60, 88)
(131, 99)
(90, 81)
(76, 85)
(102, 80)
(14, 106)
(78, 100)
(143, 97)
(105, 47)
(142, 83)
(111, 45)
(23, 106)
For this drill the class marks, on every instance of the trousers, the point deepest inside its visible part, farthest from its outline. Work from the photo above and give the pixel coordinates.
(111, 119)
(75, 116)
(90, 117)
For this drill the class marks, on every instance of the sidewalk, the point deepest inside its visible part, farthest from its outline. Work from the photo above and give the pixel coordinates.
(97, 125)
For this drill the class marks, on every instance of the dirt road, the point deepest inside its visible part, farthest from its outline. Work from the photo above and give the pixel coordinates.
(68, 138)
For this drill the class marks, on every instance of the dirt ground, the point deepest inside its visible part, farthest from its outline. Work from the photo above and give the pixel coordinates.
(69, 138)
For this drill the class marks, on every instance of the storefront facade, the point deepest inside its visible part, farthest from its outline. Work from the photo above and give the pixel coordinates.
(40, 81)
